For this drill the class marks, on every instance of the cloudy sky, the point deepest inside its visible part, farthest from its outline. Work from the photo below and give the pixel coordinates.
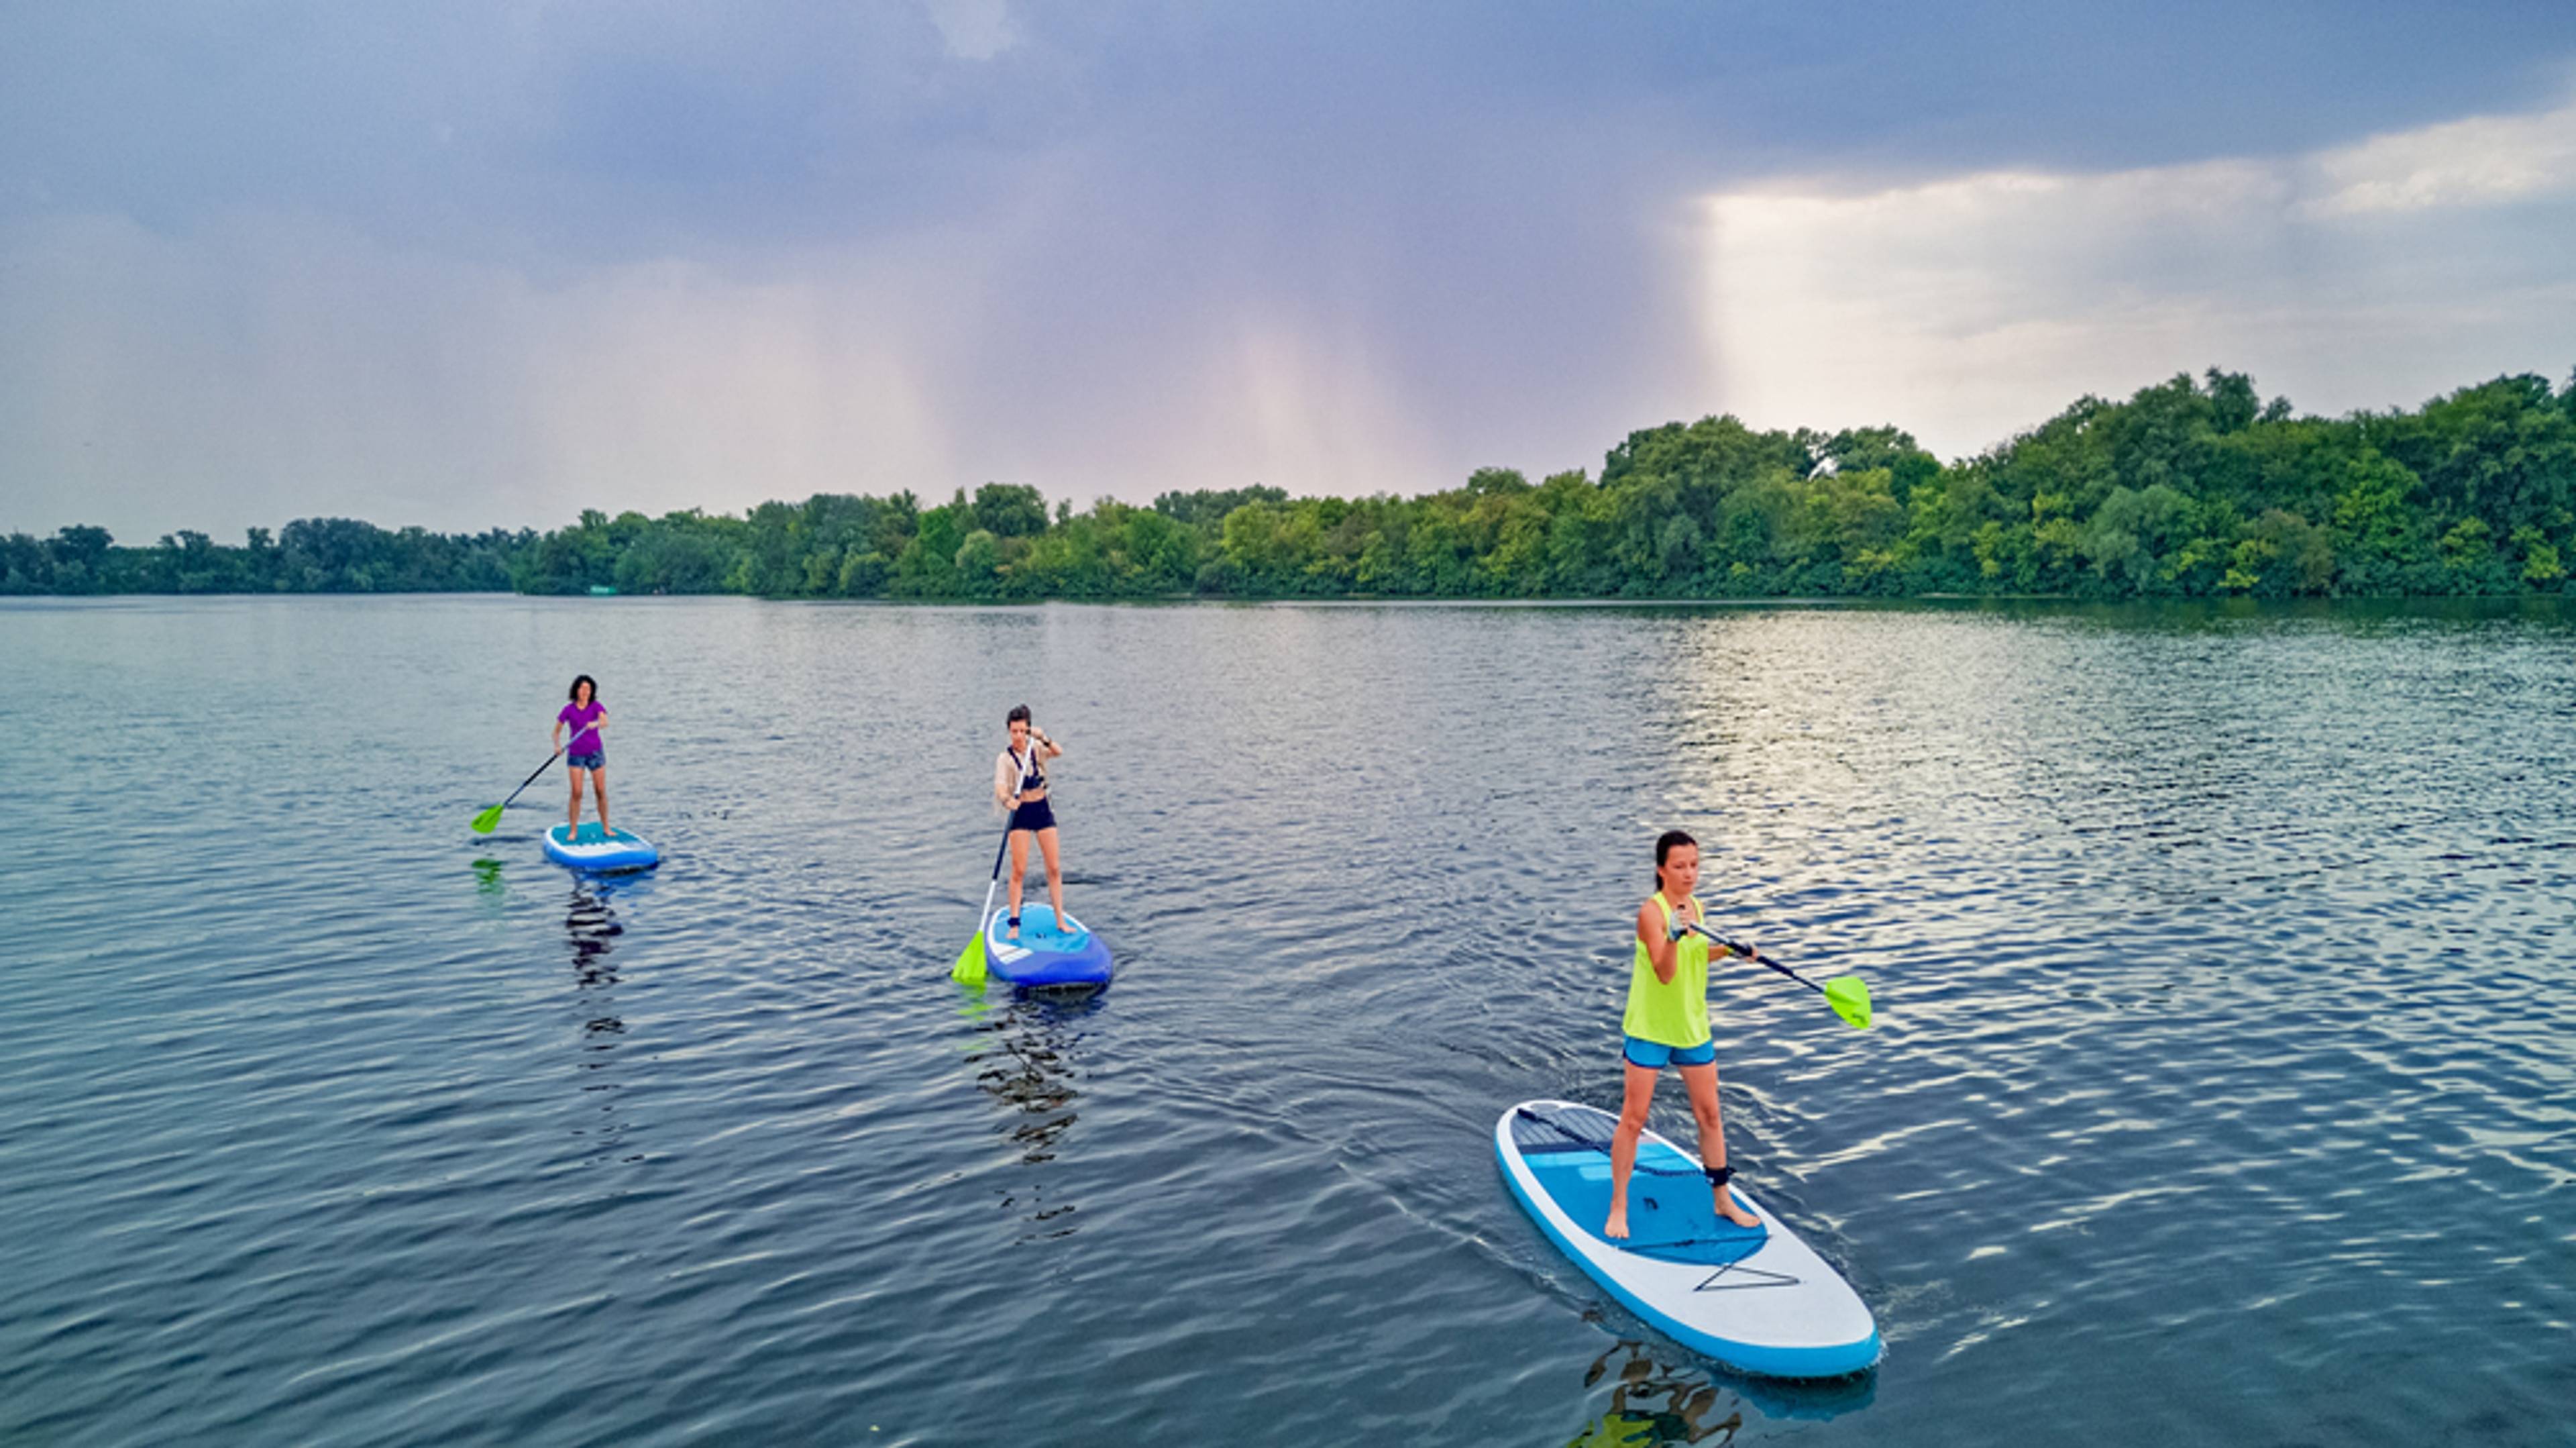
(489, 262)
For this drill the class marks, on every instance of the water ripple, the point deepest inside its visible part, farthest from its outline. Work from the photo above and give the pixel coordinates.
(2220, 1090)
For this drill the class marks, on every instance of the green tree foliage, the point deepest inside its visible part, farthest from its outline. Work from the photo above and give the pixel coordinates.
(2191, 488)
(1009, 511)
(1204, 508)
(309, 555)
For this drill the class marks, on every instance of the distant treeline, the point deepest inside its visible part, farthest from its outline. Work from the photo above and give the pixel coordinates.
(2186, 490)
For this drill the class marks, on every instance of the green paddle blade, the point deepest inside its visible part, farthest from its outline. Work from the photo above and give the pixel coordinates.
(488, 820)
(969, 969)
(1849, 998)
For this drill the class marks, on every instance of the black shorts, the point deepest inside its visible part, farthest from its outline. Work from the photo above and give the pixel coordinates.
(1033, 815)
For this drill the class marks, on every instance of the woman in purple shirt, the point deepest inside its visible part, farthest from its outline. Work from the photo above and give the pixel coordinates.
(585, 754)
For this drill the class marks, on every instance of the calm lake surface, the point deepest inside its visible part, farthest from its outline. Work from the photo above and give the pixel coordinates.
(2223, 1089)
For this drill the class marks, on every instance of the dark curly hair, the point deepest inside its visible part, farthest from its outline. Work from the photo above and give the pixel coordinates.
(574, 693)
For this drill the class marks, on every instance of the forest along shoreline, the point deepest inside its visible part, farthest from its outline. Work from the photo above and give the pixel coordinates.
(2189, 489)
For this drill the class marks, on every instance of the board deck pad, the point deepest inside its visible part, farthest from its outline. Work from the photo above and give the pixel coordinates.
(1672, 1212)
(591, 834)
(1041, 931)
(591, 848)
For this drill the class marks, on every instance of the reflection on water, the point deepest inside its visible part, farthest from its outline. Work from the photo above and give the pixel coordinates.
(591, 925)
(491, 893)
(1025, 1048)
(592, 929)
(1654, 1402)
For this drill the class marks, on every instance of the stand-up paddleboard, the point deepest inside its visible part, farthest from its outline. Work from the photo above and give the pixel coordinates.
(1754, 1298)
(1047, 953)
(594, 850)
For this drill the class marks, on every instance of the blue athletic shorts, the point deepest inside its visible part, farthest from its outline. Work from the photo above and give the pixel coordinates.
(1655, 1055)
(1033, 815)
(597, 759)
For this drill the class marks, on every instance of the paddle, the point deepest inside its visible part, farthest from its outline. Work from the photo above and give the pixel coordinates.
(490, 819)
(969, 969)
(1845, 993)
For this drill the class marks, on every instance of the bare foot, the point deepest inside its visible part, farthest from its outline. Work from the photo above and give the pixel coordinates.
(1616, 1229)
(1728, 1208)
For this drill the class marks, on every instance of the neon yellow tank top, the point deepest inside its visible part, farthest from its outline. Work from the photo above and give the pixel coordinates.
(1674, 1014)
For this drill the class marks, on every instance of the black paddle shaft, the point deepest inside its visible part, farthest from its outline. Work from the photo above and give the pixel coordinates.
(1755, 955)
(1004, 847)
(531, 779)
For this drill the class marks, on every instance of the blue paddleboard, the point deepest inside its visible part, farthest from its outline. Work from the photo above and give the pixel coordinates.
(594, 850)
(1754, 1298)
(1047, 952)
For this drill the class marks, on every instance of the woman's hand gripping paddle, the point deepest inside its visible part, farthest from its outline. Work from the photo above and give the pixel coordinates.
(1845, 993)
(969, 969)
(490, 819)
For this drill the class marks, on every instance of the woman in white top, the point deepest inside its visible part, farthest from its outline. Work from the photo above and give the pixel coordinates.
(1020, 785)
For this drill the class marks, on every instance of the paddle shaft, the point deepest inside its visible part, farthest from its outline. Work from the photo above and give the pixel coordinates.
(551, 758)
(999, 851)
(531, 779)
(1754, 955)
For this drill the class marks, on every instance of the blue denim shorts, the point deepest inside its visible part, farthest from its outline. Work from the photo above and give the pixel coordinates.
(1655, 1055)
(596, 759)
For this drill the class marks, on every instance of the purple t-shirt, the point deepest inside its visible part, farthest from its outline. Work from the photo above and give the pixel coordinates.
(585, 740)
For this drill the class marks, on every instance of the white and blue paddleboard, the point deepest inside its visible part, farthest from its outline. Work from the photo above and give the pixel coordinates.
(1754, 1298)
(1047, 952)
(594, 849)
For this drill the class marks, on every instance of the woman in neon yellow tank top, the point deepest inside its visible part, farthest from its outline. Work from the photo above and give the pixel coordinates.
(1667, 1024)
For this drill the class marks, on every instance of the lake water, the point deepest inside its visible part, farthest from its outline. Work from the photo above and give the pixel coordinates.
(2223, 1088)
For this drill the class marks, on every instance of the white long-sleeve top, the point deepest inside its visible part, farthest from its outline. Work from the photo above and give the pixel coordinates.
(1009, 767)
